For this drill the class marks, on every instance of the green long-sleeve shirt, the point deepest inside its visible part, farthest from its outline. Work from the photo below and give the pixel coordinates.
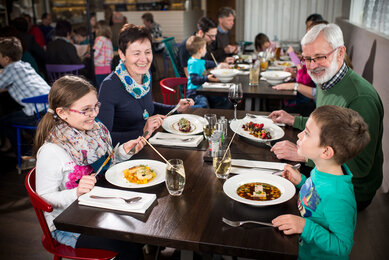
(327, 203)
(354, 92)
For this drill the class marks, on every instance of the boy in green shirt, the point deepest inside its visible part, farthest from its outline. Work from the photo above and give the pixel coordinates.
(327, 205)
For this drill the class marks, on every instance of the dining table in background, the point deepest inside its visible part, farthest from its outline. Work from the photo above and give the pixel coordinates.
(193, 221)
(263, 91)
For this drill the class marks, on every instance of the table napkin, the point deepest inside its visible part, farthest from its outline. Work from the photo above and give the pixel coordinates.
(268, 167)
(117, 204)
(216, 85)
(175, 140)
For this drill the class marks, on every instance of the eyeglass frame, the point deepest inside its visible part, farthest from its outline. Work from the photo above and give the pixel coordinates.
(96, 108)
(317, 59)
(211, 36)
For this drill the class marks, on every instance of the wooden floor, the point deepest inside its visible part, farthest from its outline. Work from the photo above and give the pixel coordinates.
(20, 236)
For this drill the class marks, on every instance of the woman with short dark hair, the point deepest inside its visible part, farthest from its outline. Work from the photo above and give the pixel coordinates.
(127, 107)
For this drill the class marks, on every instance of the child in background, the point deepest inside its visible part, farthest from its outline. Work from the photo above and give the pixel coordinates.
(197, 69)
(70, 145)
(103, 52)
(21, 81)
(332, 136)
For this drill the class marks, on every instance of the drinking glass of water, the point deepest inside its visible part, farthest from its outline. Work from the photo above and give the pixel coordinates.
(175, 177)
(222, 163)
(235, 95)
(209, 125)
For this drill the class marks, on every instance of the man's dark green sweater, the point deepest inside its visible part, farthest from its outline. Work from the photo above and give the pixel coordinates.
(354, 92)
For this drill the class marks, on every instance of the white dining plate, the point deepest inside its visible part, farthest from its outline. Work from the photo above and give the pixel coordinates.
(170, 124)
(240, 66)
(283, 64)
(115, 174)
(276, 132)
(231, 186)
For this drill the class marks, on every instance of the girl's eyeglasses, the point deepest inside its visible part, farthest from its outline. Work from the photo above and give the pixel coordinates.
(88, 111)
(318, 59)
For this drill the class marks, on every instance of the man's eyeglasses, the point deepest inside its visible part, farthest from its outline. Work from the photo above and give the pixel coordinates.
(88, 111)
(318, 59)
(211, 36)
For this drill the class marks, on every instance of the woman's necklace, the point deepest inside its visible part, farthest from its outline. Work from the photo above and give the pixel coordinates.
(145, 114)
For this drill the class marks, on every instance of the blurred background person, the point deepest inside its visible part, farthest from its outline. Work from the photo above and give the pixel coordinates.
(46, 28)
(222, 47)
(103, 51)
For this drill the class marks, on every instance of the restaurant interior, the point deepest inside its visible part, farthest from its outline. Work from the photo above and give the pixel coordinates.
(188, 234)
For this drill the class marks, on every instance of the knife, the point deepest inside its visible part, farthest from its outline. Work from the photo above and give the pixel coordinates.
(106, 160)
(132, 151)
(173, 110)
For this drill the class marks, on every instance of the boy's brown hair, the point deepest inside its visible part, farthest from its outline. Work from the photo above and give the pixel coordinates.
(11, 47)
(343, 129)
(194, 44)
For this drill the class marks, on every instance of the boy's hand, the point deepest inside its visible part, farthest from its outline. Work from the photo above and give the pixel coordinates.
(223, 65)
(212, 78)
(289, 224)
(291, 174)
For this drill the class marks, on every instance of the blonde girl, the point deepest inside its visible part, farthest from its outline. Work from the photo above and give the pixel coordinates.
(103, 51)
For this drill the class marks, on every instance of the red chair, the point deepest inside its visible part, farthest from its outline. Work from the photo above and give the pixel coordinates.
(50, 244)
(171, 90)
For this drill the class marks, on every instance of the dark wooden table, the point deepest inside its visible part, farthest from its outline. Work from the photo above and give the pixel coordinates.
(263, 91)
(192, 221)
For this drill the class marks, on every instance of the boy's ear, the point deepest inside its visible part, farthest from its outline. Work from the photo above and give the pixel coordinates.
(327, 153)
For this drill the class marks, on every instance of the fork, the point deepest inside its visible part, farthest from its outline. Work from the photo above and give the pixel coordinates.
(239, 223)
(129, 201)
(279, 173)
(183, 140)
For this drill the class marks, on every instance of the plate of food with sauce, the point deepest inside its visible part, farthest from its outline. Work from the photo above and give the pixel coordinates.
(136, 174)
(184, 124)
(259, 189)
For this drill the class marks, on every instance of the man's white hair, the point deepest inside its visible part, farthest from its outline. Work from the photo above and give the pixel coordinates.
(332, 33)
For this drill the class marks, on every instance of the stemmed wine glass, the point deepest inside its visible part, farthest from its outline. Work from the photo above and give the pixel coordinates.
(235, 95)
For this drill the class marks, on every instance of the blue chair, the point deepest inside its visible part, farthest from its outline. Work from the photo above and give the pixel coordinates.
(43, 100)
(55, 71)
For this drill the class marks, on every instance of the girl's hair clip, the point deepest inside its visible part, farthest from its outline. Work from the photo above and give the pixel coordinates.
(51, 111)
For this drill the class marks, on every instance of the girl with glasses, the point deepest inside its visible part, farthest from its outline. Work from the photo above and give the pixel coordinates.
(70, 145)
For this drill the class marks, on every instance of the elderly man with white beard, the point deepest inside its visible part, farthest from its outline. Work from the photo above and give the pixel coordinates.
(337, 84)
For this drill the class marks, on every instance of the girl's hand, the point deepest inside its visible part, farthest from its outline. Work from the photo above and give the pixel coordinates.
(130, 144)
(291, 174)
(292, 71)
(87, 182)
(185, 103)
(212, 78)
(289, 224)
(284, 86)
(153, 123)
